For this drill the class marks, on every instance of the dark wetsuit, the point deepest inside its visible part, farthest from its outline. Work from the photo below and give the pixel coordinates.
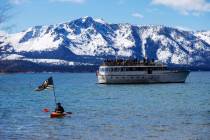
(59, 109)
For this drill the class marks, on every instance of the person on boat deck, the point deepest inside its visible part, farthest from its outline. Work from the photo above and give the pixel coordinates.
(59, 108)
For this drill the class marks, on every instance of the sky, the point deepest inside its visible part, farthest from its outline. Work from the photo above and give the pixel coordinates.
(184, 14)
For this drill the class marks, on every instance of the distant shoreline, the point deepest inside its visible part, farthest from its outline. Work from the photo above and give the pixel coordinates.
(18, 66)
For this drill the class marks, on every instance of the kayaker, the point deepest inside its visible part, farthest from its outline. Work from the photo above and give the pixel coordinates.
(59, 108)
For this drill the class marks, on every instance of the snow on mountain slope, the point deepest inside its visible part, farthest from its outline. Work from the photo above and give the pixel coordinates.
(171, 45)
(91, 41)
(33, 39)
(88, 40)
(204, 36)
(124, 40)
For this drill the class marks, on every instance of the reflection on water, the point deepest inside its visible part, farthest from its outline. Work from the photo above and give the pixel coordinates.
(119, 112)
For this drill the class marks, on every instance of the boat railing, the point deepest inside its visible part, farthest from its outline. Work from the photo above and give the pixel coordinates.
(130, 63)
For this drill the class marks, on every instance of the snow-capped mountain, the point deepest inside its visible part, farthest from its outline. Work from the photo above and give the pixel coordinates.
(87, 41)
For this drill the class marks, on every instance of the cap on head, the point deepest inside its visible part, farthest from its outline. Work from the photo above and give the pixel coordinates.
(58, 103)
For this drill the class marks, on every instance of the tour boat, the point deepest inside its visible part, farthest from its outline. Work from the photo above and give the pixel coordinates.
(136, 71)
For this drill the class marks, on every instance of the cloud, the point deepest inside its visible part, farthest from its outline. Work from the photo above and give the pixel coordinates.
(17, 2)
(72, 1)
(137, 15)
(185, 6)
(183, 28)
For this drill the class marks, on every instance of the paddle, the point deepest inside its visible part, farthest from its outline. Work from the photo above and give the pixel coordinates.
(68, 112)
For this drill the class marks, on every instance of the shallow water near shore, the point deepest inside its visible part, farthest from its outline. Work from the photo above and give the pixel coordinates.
(104, 112)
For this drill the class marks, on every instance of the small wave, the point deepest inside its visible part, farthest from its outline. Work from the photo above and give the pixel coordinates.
(206, 124)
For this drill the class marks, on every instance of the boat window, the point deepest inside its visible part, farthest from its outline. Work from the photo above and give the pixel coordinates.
(158, 68)
(101, 69)
(115, 69)
(149, 71)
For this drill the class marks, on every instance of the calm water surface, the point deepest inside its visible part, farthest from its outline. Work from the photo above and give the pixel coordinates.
(104, 112)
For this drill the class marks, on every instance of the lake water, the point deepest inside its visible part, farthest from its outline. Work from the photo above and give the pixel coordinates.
(104, 112)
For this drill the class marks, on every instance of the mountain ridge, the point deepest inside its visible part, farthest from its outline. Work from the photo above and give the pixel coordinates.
(87, 41)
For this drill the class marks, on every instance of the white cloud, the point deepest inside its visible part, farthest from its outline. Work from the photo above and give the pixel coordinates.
(17, 2)
(72, 1)
(183, 28)
(185, 6)
(137, 15)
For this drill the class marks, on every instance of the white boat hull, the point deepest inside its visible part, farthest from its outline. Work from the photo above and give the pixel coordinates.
(158, 77)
